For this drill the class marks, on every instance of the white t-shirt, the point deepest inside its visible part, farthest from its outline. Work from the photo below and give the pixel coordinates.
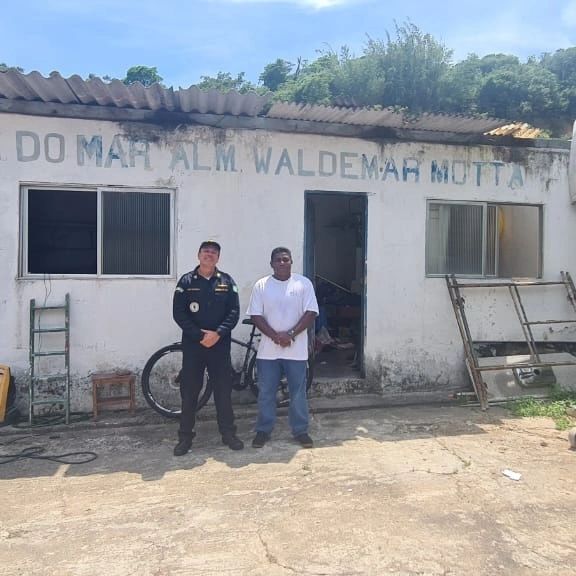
(282, 303)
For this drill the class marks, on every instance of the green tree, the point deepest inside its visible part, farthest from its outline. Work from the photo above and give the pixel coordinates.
(225, 82)
(276, 73)
(405, 71)
(412, 66)
(493, 62)
(562, 64)
(460, 85)
(525, 92)
(4, 67)
(313, 85)
(358, 81)
(144, 74)
(334, 79)
(106, 78)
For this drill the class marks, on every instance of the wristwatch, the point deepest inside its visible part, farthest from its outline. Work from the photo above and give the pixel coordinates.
(292, 334)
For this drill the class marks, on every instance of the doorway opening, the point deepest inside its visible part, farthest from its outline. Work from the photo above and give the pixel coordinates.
(335, 261)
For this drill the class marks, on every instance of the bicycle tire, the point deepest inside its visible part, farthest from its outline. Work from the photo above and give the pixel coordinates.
(252, 376)
(160, 382)
(237, 355)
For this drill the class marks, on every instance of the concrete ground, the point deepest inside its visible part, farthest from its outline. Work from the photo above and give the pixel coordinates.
(404, 491)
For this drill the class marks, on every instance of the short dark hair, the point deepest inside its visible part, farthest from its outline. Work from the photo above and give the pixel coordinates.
(209, 244)
(280, 250)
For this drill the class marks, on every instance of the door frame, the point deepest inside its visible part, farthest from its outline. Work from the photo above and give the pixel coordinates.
(309, 241)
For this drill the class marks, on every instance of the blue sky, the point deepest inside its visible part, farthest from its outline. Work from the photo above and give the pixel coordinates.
(186, 39)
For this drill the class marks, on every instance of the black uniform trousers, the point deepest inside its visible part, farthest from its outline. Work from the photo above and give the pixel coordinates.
(196, 359)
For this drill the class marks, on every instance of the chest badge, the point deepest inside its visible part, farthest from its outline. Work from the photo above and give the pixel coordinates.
(194, 307)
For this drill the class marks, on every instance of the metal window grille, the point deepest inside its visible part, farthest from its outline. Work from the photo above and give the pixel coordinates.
(480, 239)
(135, 233)
(455, 239)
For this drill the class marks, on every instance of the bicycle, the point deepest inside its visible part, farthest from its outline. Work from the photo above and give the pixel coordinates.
(162, 373)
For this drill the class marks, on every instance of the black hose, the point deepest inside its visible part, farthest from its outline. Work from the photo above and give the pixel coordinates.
(37, 453)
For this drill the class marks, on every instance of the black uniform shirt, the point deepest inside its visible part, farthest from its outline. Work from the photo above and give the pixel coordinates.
(201, 304)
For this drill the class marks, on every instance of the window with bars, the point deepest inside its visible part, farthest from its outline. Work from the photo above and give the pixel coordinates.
(106, 232)
(483, 239)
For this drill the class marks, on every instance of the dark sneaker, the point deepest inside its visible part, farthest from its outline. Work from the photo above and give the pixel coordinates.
(233, 442)
(260, 439)
(305, 441)
(182, 447)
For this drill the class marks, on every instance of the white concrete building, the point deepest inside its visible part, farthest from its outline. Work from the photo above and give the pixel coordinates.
(106, 193)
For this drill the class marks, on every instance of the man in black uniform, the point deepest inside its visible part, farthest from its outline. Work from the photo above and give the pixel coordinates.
(206, 307)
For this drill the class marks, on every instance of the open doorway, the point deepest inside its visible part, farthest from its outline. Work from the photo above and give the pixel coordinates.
(335, 260)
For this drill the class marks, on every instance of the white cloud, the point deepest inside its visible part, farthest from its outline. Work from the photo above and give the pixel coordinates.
(313, 4)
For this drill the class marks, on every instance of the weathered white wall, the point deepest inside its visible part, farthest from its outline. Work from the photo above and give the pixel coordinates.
(412, 342)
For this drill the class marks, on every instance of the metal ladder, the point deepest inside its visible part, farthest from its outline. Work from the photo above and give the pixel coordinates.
(471, 356)
(36, 377)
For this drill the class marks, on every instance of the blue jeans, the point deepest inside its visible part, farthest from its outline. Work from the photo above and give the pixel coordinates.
(269, 373)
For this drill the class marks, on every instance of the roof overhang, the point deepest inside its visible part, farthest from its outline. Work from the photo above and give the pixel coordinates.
(55, 96)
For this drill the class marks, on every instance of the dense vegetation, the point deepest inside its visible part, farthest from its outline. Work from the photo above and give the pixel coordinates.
(413, 71)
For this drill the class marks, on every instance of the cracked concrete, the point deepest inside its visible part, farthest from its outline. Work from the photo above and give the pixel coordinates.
(402, 491)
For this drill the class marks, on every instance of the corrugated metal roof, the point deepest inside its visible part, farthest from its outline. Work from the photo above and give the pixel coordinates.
(34, 87)
(74, 90)
(385, 118)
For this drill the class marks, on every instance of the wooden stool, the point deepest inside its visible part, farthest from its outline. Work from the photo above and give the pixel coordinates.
(109, 380)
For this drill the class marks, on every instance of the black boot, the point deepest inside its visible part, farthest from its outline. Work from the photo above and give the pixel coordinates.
(183, 447)
(232, 441)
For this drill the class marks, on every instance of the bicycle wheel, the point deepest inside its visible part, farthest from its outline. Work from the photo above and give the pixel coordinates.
(237, 355)
(252, 376)
(161, 382)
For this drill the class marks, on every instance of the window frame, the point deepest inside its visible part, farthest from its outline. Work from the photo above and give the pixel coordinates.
(23, 256)
(485, 205)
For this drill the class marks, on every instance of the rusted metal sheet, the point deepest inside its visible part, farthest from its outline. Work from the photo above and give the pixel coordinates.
(517, 130)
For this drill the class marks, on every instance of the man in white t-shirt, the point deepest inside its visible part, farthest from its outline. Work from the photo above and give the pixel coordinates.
(282, 306)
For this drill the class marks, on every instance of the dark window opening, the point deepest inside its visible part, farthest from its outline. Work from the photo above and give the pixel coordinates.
(62, 232)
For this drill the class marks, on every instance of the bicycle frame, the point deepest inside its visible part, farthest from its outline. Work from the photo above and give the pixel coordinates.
(250, 348)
